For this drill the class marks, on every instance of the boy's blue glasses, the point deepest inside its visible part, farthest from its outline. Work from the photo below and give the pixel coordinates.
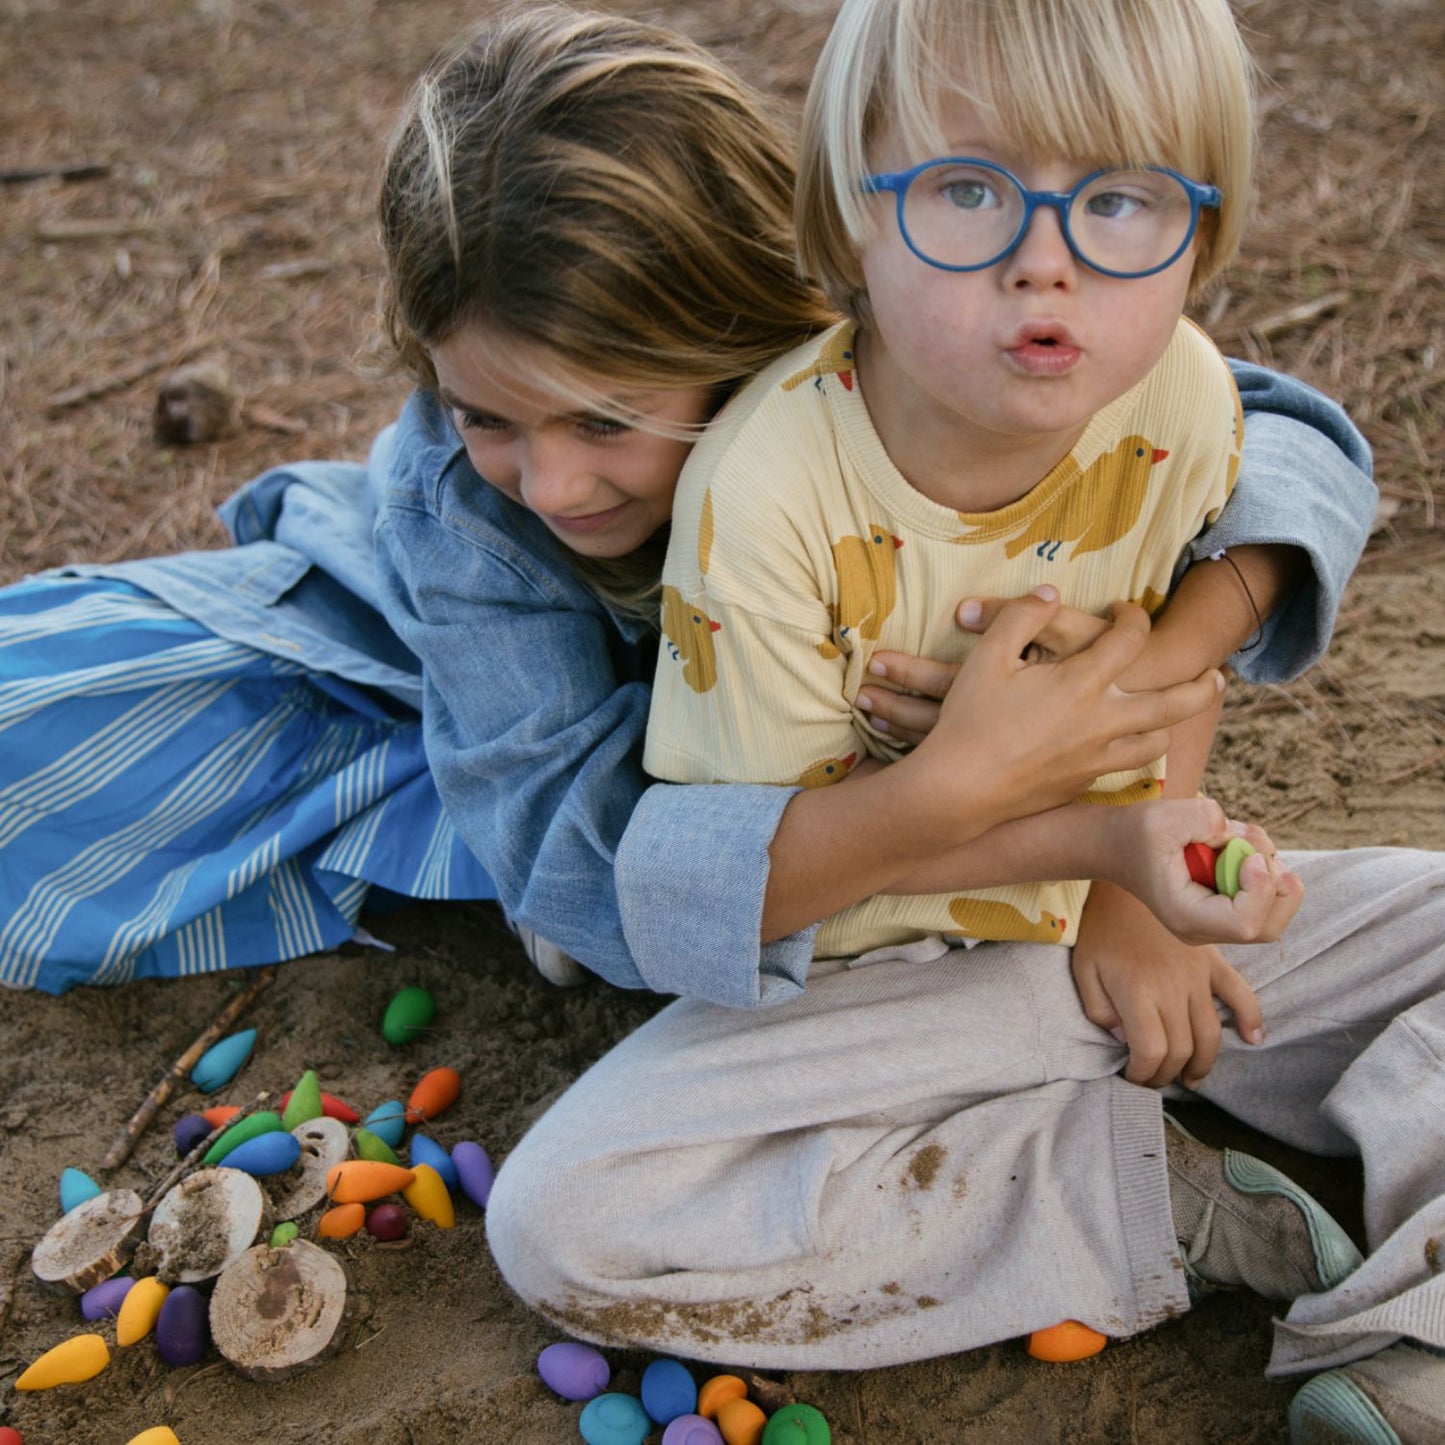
(965, 214)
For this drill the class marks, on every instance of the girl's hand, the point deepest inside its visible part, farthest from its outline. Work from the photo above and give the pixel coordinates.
(911, 714)
(1037, 735)
(1069, 631)
(1155, 993)
(1148, 861)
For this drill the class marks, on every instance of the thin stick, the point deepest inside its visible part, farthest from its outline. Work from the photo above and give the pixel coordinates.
(159, 1192)
(75, 171)
(126, 376)
(125, 1141)
(1306, 311)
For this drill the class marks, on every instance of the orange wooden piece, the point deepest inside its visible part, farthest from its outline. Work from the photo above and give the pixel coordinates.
(359, 1181)
(341, 1222)
(436, 1090)
(1065, 1341)
(741, 1422)
(716, 1392)
(219, 1114)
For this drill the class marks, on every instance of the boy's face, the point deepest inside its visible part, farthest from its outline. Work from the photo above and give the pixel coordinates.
(1023, 352)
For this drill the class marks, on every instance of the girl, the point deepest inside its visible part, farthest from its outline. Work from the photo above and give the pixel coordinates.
(925, 1130)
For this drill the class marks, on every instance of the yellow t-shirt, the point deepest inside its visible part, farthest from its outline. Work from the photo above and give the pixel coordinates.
(798, 549)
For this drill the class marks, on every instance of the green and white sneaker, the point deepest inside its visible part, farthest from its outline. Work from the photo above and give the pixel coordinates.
(1394, 1398)
(1241, 1224)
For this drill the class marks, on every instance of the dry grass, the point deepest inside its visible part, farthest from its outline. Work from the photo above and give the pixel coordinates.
(234, 223)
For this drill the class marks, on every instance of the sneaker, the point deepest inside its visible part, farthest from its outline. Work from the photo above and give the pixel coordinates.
(1394, 1398)
(549, 960)
(1241, 1224)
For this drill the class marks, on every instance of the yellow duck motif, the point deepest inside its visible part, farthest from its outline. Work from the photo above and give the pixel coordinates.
(988, 918)
(829, 770)
(1095, 508)
(867, 585)
(1141, 790)
(688, 630)
(835, 359)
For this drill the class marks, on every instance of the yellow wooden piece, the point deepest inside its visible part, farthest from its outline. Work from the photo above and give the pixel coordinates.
(156, 1435)
(716, 1392)
(139, 1310)
(1065, 1341)
(741, 1422)
(359, 1181)
(70, 1362)
(341, 1222)
(429, 1196)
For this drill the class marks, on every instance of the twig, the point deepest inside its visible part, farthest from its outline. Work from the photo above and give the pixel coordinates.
(74, 171)
(1292, 316)
(96, 228)
(158, 1193)
(7, 1291)
(125, 1141)
(125, 376)
(1423, 765)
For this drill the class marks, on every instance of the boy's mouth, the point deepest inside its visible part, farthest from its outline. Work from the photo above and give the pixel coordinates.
(1043, 350)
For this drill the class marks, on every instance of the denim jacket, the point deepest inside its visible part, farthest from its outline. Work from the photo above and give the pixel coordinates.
(534, 695)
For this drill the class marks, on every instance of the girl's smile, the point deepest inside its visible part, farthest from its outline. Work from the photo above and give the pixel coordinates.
(601, 484)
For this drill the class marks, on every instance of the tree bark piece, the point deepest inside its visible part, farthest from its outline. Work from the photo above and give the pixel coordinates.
(324, 1142)
(90, 1243)
(202, 1224)
(277, 1311)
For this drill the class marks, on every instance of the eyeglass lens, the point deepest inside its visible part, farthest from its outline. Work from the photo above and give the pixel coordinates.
(1124, 221)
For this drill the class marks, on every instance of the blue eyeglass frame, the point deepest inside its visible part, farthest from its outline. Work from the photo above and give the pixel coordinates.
(1200, 197)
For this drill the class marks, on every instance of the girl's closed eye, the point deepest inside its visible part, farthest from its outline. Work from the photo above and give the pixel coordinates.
(480, 421)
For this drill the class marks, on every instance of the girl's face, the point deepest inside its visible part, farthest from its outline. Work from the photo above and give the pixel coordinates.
(602, 486)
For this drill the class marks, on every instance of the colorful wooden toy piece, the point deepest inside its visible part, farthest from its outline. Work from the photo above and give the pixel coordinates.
(429, 1196)
(359, 1181)
(70, 1362)
(716, 1392)
(1199, 859)
(1226, 869)
(139, 1310)
(1068, 1340)
(436, 1090)
(223, 1061)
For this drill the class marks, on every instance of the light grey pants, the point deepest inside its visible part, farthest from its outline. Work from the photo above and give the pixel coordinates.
(932, 1149)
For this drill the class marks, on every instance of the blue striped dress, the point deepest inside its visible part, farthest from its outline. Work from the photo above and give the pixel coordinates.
(174, 799)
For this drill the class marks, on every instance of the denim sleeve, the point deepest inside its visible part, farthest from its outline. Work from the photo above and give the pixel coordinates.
(534, 741)
(1305, 480)
(692, 869)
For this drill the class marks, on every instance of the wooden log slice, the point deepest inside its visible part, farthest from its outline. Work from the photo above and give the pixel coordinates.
(202, 1224)
(89, 1243)
(324, 1142)
(277, 1311)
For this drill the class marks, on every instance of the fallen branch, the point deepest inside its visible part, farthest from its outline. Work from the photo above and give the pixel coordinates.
(1295, 315)
(125, 1141)
(74, 171)
(125, 376)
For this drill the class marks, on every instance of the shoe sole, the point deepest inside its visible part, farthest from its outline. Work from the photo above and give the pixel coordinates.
(1335, 1254)
(1332, 1410)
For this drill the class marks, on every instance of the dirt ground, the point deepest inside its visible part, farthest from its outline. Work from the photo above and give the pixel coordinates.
(229, 221)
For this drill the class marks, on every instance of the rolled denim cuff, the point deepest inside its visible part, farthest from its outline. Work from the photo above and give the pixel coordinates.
(691, 870)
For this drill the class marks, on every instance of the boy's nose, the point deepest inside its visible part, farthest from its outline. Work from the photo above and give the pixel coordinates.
(1043, 257)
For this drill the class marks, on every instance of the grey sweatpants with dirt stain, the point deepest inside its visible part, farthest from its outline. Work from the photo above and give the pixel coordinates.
(933, 1149)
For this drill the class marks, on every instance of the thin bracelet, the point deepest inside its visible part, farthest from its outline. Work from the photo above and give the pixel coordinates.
(1223, 556)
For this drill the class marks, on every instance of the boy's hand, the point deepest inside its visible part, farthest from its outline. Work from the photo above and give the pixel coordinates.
(1148, 860)
(1137, 980)
(1069, 630)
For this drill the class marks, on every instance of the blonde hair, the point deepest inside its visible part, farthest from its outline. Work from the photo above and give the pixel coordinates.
(1100, 82)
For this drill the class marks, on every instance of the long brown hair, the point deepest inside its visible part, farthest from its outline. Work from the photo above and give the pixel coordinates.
(601, 190)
